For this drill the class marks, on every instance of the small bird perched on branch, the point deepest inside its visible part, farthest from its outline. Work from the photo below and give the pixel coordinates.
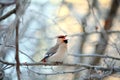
(57, 52)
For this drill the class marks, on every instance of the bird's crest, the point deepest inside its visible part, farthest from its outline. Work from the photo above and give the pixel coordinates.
(61, 36)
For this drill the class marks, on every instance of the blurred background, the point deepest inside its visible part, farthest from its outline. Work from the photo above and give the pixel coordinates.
(92, 27)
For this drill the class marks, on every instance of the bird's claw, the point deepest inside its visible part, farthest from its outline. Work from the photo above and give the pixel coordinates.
(58, 63)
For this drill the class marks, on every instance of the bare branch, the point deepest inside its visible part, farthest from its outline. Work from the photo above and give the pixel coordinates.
(17, 42)
(103, 32)
(115, 69)
(7, 14)
(95, 55)
(17, 51)
(89, 33)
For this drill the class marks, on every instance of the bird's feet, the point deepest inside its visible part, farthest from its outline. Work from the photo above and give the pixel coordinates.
(58, 63)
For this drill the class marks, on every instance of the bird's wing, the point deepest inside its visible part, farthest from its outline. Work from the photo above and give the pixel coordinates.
(60, 54)
(50, 52)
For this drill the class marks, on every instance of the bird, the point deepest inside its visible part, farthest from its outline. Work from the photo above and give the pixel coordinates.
(57, 52)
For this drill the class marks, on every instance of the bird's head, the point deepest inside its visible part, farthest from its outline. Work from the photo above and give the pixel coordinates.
(61, 38)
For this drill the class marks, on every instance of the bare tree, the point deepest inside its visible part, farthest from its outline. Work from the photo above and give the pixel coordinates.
(27, 30)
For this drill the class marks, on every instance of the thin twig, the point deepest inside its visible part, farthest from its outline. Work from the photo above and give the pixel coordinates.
(7, 67)
(92, 10)
(7, 4)
(117, 49)
(56, 73)
(12, 46)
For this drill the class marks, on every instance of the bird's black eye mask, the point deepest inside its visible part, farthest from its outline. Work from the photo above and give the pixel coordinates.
(66, 41)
